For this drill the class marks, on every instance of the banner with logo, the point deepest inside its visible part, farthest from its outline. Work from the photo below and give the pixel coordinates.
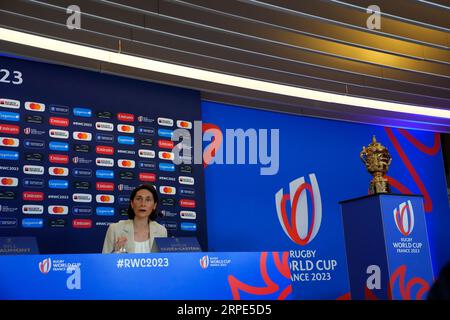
(274, 181)
(162, 276)
(74, 144)
(391, 259)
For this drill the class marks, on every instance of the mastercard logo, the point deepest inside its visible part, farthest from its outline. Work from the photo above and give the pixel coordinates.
(166, 155)
(184, 124)
(84, 136)
(59, 134)
(58, 171)
(61, 210)
(167, 190)
(125, 128)
(125, 163)
(104, 198)
(9, 142)
(35, 106)
(8, 182)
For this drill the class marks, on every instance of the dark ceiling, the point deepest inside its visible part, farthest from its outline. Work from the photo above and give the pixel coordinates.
(322, 45)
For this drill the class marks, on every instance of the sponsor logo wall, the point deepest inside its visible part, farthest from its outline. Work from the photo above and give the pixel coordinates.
(72, 151)
(297, 209)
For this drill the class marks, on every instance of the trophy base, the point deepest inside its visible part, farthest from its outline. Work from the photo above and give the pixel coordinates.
(379, 187)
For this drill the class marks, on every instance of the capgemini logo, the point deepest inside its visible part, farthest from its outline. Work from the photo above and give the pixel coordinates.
(45, 266)
(404, 218)
(204, 262)
(299, 228)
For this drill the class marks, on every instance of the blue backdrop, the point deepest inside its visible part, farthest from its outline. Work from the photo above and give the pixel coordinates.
(242, 204)
(89, 139)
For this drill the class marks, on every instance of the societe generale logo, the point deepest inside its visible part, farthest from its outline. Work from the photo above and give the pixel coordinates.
(301, 227)
(404, 218)
(45, 265)
(204, 262)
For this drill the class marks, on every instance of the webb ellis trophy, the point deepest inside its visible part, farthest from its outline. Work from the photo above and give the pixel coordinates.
(377, 160)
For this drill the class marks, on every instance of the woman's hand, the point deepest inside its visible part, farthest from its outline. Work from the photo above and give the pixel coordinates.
(120, 244)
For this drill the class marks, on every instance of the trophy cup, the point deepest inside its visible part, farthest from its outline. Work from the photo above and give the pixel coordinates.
(377, 160)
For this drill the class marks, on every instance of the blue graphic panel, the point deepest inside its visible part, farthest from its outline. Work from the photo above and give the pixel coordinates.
(162, 276)
(316, 158)
(73, 142)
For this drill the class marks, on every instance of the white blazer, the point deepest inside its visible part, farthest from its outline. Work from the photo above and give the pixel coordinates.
(125, 228)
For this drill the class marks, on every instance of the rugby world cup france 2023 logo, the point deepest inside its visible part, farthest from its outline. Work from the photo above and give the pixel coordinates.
(404, 218)
(302, 227)
(45, 266)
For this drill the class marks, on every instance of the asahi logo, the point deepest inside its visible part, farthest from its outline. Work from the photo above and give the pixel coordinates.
(300, 226)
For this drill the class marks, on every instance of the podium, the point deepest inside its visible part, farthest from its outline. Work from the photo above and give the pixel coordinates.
(387, 248)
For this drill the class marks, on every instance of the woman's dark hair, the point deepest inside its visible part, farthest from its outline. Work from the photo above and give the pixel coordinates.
(150, 188)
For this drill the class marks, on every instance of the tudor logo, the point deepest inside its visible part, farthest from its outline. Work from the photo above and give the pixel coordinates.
(10, 104)
(82, 197)
(9, 142)
(165, 122)
(128, 117)
(164, 155)
(84, 136)
(404, 218)
(186, 180)
(191, 215)
(32, 209)
(59, 134)
(104, 162)
(125, 163)
(184, 124)
(59, 122)
(9, 182)
(125, 128)
(144, 153)
(301, 226)
(167, 190)
(58, 210)
(58, 171)
(38, 170)
(104, 198)
(104, 126)
(35, 106)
